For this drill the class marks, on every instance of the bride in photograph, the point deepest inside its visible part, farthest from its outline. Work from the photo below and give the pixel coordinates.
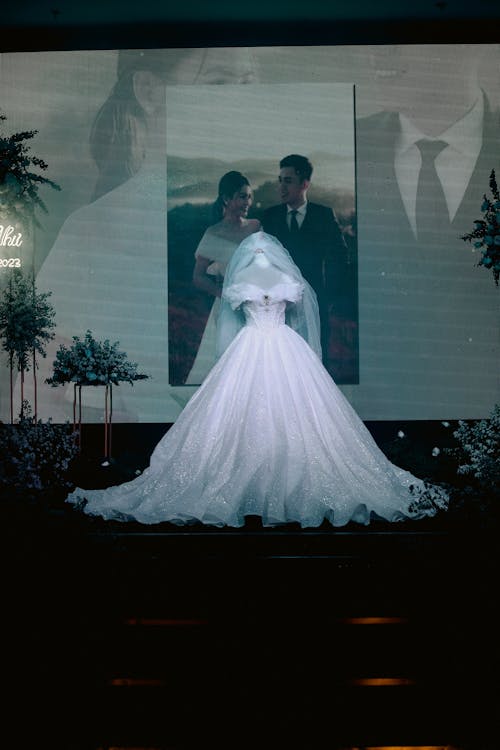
(212, 255)
(268, 433)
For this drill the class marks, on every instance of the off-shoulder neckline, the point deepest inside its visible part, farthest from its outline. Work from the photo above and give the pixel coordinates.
(261, 289)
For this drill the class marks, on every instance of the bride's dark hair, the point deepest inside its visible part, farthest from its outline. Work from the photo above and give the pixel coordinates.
(117, 134)
(114, 136)
(229, 184)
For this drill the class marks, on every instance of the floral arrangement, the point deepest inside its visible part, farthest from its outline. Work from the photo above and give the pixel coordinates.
(26, 319)
(91, 362)
(35, 456)
(486, 232)
(479, 451)
(18, 183)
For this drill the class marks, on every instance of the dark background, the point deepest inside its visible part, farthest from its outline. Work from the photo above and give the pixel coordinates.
(93, 24)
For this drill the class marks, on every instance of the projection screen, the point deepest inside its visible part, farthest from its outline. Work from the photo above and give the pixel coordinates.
(138, 140)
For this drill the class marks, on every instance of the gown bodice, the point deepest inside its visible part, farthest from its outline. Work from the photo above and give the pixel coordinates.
(265, 313)
(263, 308)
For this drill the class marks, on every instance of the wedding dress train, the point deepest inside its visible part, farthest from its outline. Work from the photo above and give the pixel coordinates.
(267, 434)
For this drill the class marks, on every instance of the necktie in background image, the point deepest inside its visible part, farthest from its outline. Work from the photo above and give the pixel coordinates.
(431, 210)
(294, 224)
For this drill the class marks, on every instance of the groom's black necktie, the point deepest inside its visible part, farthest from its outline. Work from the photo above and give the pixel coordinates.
(431, 210)
(294, 224)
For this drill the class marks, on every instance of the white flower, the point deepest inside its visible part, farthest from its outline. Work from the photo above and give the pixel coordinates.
(435, 451)
(401, 434)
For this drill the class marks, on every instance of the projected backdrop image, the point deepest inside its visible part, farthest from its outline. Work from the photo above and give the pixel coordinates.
(250, 129)
(117, 247)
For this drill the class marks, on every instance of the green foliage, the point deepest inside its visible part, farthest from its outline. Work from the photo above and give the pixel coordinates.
(479, 451)
(26, 319)
(91, 362)
(19, 185)
(428, 500)
(35, 456)
(486, 232)
(465, 460)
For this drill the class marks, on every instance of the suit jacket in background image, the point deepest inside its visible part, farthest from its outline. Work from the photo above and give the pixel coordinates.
(318, 248)
(428, 315)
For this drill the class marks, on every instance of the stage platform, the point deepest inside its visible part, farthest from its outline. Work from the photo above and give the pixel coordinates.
(125, 636)
(119, 635)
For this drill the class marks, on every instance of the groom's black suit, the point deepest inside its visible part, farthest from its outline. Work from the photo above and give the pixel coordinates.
(319, 250)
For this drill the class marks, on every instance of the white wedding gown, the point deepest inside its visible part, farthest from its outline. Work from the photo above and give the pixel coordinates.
(267, 434)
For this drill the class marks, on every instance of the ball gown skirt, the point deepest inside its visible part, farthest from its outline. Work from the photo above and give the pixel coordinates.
(267, 434)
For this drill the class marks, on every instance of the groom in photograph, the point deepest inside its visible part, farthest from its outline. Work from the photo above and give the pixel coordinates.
(311, 234)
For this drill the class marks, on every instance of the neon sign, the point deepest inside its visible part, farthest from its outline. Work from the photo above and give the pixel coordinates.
(9, 237)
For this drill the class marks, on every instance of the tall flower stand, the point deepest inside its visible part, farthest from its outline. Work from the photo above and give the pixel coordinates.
(108, 415)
